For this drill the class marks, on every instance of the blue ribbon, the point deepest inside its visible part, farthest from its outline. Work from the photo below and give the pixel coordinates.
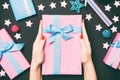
(6, 48)
(56, 31)
(117, 45)
(9, 47)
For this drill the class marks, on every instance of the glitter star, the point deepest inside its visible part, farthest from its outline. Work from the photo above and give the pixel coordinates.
(115, 19)
(2, 73)
(117, 3)
(29, 23)
(76, 5)
(105, 45)
(41, 7)
(114, 29)
(7, 22)
(98, 27)
(17, 36)
(88, 17)
(107, 8)
(63, 4)
(5, 6)
(52, 5)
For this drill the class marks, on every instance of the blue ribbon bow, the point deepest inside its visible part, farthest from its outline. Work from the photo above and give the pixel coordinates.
(9, 47)
(54, 31)
(116, 44)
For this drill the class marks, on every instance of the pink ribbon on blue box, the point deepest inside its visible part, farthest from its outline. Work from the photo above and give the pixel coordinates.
(6, 48)
(55, 31)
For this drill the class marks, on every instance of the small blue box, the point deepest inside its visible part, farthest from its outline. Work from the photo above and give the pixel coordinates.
(22, 8)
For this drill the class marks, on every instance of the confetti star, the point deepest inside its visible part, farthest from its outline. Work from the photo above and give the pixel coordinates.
(41, 7)
(105, 45)
(17, 36)
(52, 5)
(114, 29)
(7, 22)
(107, 8)
(2, 73)
(29, 23)
(63, 4)
(76, 5)
(5, 6)
(88, 17)
(98, 27)
(115, 19)
(117, 3)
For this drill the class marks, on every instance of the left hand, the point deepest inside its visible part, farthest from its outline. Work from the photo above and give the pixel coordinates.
(37, 53)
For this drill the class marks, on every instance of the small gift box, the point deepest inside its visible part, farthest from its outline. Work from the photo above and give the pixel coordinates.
(11, 58)
(62, 47)
(112, 57)
(22, 8)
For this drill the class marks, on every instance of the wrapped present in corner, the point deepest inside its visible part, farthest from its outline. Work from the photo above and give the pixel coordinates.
(62, 48)
(112, 57)
(22, 8)
(11, 58)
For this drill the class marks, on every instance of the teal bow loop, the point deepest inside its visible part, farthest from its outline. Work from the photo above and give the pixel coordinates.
(116, 44)
(9, 47)
(55, 31)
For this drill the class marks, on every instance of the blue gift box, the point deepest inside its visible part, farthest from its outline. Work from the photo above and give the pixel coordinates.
(22, 8)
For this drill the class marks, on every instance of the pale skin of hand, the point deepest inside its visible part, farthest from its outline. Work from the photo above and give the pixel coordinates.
(86, 56)
(38, 56)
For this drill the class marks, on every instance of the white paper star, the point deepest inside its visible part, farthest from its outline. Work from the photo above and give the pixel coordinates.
(41, 7)
(29, 23)
(98, 27)
(5, 6)
(115, 19)
(117, 3)
(114, 29)
(88, 17)
(107, 8)
(2, 73)
(17, 36)
(63, 4)
(7, 22)
(105, 45)
(52, 5)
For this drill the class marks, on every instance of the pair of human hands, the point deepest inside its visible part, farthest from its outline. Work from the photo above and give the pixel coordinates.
(38, 46)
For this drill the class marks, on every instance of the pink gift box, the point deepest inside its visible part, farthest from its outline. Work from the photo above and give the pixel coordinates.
(112, 57)
(12, 62)
(62, 47)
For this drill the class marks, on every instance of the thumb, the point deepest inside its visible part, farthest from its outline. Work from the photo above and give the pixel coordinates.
(42, 41)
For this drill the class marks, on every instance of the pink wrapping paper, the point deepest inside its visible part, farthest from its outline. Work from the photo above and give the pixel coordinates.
(70, 63)
(112, 57)
(4, 62)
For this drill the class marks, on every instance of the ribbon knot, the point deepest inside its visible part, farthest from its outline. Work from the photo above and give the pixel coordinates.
(54, 31)
(116, 44)
(9, 47)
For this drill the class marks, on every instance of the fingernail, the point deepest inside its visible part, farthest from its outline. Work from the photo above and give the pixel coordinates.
(42, 37)
(82, 20)
(81, 36)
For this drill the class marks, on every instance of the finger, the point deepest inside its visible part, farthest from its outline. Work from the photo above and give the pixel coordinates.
(42, 43)
(119, 66)
(85, 36)
(82, 43)
(39, 31)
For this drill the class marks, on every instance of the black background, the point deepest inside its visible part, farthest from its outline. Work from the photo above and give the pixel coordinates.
(103, 71)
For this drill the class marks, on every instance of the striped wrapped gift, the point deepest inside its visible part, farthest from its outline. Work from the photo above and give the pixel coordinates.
(112, 57)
